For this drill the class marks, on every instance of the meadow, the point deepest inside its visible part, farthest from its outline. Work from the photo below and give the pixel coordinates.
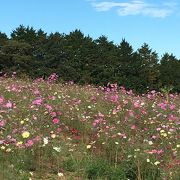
(51, 130)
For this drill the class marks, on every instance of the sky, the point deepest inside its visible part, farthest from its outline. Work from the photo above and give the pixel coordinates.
(155, 22)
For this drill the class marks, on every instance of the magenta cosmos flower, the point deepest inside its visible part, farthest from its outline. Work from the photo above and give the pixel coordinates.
(55, 120)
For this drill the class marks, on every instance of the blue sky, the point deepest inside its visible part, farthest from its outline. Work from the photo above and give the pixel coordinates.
(156, 22)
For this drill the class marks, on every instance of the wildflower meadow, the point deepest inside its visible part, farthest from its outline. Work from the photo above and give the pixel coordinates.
(53, 130)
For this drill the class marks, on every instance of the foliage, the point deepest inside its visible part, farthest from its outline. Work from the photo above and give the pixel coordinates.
(78, 58)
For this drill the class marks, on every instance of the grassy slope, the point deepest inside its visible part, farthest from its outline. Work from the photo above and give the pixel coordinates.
(86, 132)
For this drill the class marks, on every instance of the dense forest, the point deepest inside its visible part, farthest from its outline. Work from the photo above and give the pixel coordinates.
(83, 60)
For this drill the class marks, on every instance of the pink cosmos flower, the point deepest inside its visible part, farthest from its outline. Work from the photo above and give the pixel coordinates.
(59, 113)
(162, 106)
(100, 115)
(160, 151)
(96, 122)
(149, 96)
(58, 130)
(136, 104)
(154, 137)
(133, 127)
(53, 77)
(55, 120)
(52, 97)
(130, 92)
(53, 114)
(77, 101)
(14, 131)
(29, 143)
(172, 107)
(48, 107)
(114, 98)
(172, 117)
(158, 129)
(37, 102)
(36, 92)
(93, 98)
(144, 112)
(2, 123)
(171, 96)
(125, 102)
(153, 151)
(115, 111)
(131, 113)
(14, 88)
(37, 138)
(9, 104)
(1, 99)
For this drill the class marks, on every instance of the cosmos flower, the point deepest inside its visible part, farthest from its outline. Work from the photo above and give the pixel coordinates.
(29, 143)
(45, 141)
(9, 104)
(37, 102)
(55, 120)
(58, 149)
(25, 134)
(2, 123)
(156, 163)
(133, 127)
(88, 146)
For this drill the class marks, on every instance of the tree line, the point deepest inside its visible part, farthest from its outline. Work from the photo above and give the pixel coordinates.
(79, 58)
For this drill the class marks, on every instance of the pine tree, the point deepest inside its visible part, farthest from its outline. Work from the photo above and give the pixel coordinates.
(148, 70)
(170, 71)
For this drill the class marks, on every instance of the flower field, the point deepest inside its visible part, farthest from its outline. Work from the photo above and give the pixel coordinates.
(51, 130)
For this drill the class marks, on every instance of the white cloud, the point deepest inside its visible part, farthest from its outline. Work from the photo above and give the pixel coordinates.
(136, 7)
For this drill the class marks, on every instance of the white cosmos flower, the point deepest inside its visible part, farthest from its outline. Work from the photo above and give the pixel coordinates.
(45, 141)
(150, 142)
(58, 149)
(60, 174)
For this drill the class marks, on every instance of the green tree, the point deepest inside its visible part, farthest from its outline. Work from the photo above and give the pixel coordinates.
(170, 71)
(16, 56)
(82, 55)
(3, 41)
(125, 70)
(55, 58)
(3, 38)
(148, 70)
(83, 60)
(104, 67)
(24, 34)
